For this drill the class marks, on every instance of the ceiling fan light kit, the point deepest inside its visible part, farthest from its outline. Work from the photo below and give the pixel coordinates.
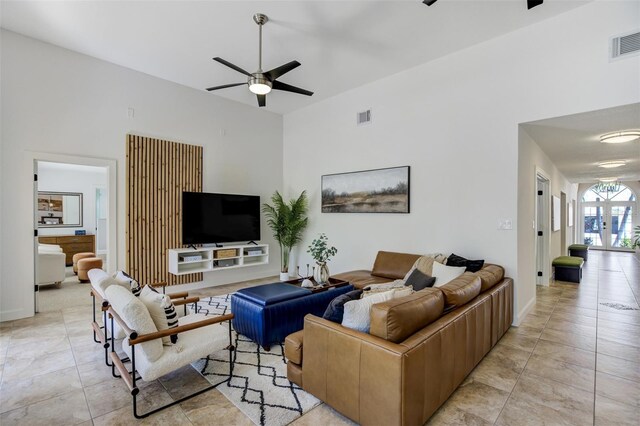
(261, 83)
(620, 137)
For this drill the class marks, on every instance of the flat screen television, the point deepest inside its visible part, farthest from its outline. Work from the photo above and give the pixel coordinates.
(219, 218)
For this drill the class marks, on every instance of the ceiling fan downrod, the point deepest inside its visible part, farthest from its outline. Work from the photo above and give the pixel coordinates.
(260, 19)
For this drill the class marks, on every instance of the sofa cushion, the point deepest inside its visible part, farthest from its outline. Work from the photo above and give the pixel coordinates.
(393, 265)
(293, 347)
(471, 265)
(397, 319)
(461, 290)
(419, 280)
(444, 274)
(360, 278)
(136, 315)
(335, 310)
(490, 275)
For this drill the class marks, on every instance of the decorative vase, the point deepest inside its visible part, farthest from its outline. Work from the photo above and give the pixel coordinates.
(284, 276)
(321, 273)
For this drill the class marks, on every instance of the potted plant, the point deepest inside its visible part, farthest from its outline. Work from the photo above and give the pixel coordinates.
(321, 252)
(287, 220)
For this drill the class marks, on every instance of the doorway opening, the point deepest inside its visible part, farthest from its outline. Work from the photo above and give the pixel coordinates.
(74, 212)
(542, 226)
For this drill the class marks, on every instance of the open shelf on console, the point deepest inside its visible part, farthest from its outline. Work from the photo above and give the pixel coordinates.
(205, 259)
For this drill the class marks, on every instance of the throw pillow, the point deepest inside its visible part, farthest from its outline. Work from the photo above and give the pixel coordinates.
(471, 265)
(162, 311)
(445, 274)
(379, 288)
(335, 310)
(124, 278)
(419, 280)
(357, 312)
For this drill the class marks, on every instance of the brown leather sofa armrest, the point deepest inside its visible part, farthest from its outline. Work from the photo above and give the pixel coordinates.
(341, 366)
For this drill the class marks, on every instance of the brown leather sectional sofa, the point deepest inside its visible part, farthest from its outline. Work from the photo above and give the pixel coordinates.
(420, 347)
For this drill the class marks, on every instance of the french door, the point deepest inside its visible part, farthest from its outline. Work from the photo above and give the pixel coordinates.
(608, 225)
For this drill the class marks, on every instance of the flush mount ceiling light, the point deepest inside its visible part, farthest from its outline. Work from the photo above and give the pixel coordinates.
(611, 164)
(620, 137)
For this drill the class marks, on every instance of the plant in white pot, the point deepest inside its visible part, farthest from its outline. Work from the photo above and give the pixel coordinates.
(636, 240)
(287, 220)
(321, 252)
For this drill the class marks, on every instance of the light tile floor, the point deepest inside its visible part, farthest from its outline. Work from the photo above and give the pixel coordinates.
(573, 361)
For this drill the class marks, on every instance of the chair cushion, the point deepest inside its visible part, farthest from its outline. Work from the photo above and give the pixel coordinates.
(192, 346)
(397, 319)
(162, 311)
(461, 290)
(490, 275)
(568, 261)
(335, 310)
(136, 315)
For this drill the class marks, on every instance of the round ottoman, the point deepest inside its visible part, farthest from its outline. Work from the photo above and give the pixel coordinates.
(87, 264)
(77, 257)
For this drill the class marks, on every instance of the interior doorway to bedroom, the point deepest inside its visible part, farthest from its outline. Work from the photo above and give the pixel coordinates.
(71, 217)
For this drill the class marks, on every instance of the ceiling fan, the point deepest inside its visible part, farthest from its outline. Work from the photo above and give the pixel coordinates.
(261, 82)
(530, 3)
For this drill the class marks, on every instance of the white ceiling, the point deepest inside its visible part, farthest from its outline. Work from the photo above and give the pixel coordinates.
(341, 44)
(573, 143)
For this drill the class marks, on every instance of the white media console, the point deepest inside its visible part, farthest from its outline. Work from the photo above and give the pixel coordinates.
(205, 259)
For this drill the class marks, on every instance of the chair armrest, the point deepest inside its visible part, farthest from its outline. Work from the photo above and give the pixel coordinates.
(180, 329)
(186, 301)
(104, 304)
(131, 333)
(178, 295)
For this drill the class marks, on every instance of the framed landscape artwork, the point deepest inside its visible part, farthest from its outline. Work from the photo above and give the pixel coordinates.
(369, 191)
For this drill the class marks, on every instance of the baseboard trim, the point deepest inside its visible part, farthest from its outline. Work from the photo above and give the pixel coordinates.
(14, 314)
(524, 311)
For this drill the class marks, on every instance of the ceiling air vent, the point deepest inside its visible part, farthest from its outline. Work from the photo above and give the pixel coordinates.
(364, 117)
(625, 45)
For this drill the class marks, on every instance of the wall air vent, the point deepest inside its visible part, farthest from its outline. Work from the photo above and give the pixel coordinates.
(625, 45)
(364, 117)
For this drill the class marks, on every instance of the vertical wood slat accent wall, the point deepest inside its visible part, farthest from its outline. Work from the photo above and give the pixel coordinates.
(158, 171)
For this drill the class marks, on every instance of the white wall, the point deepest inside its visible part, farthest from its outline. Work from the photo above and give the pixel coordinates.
(531, 159)
(58, 101)
(455, 122)
(82, 181)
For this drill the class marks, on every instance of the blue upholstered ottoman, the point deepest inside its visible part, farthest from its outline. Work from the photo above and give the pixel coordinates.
(268, 313)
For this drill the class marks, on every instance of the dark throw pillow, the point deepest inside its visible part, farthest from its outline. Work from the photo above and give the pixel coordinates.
(419, 280)
(471, 265)
(335, 310)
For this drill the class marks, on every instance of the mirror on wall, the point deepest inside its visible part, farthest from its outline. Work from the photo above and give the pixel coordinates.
(59, 209)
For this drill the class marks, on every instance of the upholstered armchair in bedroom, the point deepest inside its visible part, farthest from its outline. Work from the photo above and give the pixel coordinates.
(51, 265)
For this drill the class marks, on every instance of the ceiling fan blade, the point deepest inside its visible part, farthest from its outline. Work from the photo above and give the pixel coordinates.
(289, 88)
(533, 3)
(230, 65)
(429, 2)
(262, 100)
(282, 69)
(224, 86)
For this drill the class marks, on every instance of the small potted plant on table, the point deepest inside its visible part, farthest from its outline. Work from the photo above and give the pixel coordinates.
(287, 221)
(321, 253)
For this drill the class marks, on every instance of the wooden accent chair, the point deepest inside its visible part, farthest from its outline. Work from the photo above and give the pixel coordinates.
(197, 337)
(100, 281)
